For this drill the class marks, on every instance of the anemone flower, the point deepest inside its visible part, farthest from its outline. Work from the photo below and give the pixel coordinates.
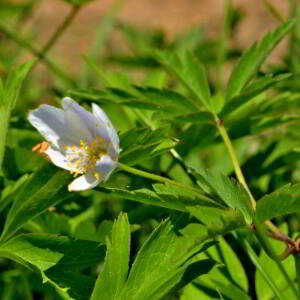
(84, 143)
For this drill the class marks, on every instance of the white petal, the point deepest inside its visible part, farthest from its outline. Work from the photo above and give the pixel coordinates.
(104, 166)
(58, 127)
(84, 182)
(58, 158)
(102, 117)
(95, 125)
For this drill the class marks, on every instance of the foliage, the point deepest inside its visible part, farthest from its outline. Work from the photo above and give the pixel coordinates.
(205, 200)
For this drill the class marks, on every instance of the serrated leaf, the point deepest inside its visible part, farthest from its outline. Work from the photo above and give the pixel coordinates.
(165, 262)
(231, 192)
(47, 187)
(190, 72)
(165, 195)
(139, 97)
(218, 221)
(251, 92)
(56, 257)
(253, 58)
(113, 277)
(232, 270)
(198, 117)
(45, 251)
(72, 285)
(285, 200)
(143, 143)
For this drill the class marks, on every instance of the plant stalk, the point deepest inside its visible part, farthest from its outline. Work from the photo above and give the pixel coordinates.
(234, 160)
(239, 173)
(158, 178)
(57, 34)
(25, 44)
(297, 263)
(255, 260)
(271, 253)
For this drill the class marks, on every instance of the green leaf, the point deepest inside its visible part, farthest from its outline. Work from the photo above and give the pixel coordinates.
(283, 201)
(69, 284)
(165, 263)
(11, 191)
(263, 290)
(113, 277)
(218, 221)
(232, 269)
(190, 72)
(229, 279)
(231, 192)
(165, 195)
(138, 97)
(9, 92)
(56, 258)
(47, 187)
(45, 251)
(198, 117)
(253, 58)
(251, 92)
(143, 143)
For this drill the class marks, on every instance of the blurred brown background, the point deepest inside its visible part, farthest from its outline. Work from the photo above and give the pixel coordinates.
(172, 16)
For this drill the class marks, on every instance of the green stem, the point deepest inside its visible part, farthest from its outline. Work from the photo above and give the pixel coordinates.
(4, 120)
(26, 287)
(234, 160)
(158, 178)
(238, 171)
(57, 34)
(297, 263)
(275, 11)
(271, 253)
(25, 44)
(255, 260)
(223, 44)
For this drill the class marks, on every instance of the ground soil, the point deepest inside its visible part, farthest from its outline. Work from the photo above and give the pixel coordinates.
(172, 16)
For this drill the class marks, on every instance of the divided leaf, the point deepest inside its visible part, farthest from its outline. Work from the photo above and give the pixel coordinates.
(164, 195)
(253, 58)
(285, 200)
(251, 92)
(165, 263)
(143, 143)
(190, 72)
(57, 258)
(112, 279)
(218, 221)
(229, 191)
(46, 187)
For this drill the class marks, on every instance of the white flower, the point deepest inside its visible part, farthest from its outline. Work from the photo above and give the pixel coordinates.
(79, 141)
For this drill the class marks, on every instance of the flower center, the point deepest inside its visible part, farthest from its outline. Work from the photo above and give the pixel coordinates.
(84, 158)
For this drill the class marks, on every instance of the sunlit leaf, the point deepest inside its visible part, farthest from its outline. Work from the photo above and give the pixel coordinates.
(253, 58)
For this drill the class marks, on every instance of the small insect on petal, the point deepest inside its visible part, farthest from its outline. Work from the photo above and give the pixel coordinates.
(41, 148)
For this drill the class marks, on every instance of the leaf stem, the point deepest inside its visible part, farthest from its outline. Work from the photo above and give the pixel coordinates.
(58, 32)
(234, 160)
(271, 253)
(297, 263)
(158, 178)
(238, 171)
(255, 260)
(25, 44)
